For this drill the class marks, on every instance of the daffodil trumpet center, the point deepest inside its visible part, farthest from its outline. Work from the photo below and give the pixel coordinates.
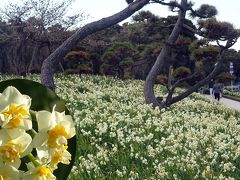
(56, 158)
(15, 114)
(44, 171)
(57, 136)
(60, 155)
(10, 152)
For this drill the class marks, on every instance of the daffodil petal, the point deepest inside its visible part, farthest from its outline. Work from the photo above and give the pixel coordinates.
(14, 143)
(15, 164)
(43, 154)
(39, 139)
(12, 95)
(11, 133)
(9, 172)
(44, 120)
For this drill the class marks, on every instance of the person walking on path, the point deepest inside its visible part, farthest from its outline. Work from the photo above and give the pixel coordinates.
(217, 90)
(210, 86)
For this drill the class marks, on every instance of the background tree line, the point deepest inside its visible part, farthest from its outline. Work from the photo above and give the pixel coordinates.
(130, 50)
(30, 31)
(125, 51)
(162, 50)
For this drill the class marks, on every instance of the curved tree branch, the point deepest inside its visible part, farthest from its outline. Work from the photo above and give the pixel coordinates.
(170, 4)
(177, 84)
(49, 64)
(203, 81)
(164, 54)
(202, 34)
(195, 31)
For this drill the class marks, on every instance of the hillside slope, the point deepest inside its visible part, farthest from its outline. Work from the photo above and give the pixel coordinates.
(120, 137)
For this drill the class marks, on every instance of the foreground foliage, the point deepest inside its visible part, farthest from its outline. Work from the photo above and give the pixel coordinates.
(120, 137)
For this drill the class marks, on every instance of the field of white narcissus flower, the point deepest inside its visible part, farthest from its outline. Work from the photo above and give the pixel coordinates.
(231, 93)
(120, 137)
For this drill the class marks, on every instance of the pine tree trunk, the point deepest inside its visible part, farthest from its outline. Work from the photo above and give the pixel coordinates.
(150, 97)
(49, 64)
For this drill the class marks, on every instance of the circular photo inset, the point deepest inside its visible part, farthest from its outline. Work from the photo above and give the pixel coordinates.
(37, 134)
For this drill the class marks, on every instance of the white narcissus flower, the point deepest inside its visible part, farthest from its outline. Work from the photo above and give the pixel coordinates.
(42, 172)
(60, 156)
(8, 172)
(14, 109)
(54, 156)
(54, 129)
(14, 144)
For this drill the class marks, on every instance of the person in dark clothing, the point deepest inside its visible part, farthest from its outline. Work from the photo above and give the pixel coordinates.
(210, 86)
(217, 90)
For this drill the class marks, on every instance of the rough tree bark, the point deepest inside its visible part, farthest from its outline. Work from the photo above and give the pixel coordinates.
(164, 54)
(49, 64)
(34, 58)
(229, 36)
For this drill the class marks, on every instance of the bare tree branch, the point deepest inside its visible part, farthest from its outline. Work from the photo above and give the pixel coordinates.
(48, 70)
(177, 84)
(172, 4)
(195, 31)
(202, 82)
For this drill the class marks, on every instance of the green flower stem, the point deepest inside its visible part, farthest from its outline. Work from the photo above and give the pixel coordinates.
(33, 132)
(33, 115)
(33, 160)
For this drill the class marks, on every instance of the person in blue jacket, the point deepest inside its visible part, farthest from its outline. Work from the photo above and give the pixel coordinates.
(217, 90)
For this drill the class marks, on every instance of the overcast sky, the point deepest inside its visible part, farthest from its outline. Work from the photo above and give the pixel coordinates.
(229, 10)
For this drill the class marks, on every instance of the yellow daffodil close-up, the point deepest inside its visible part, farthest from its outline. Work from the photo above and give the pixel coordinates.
(51, 142)
(14, 144)
(42, 172)
(54, 129)
(60, 155)
(32, 144)
(14, 109)
(54, 156)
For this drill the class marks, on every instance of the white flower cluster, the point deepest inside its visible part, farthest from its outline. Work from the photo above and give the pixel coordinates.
(185, 141)
(16, 142)
(231, 93)
(120, 137)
